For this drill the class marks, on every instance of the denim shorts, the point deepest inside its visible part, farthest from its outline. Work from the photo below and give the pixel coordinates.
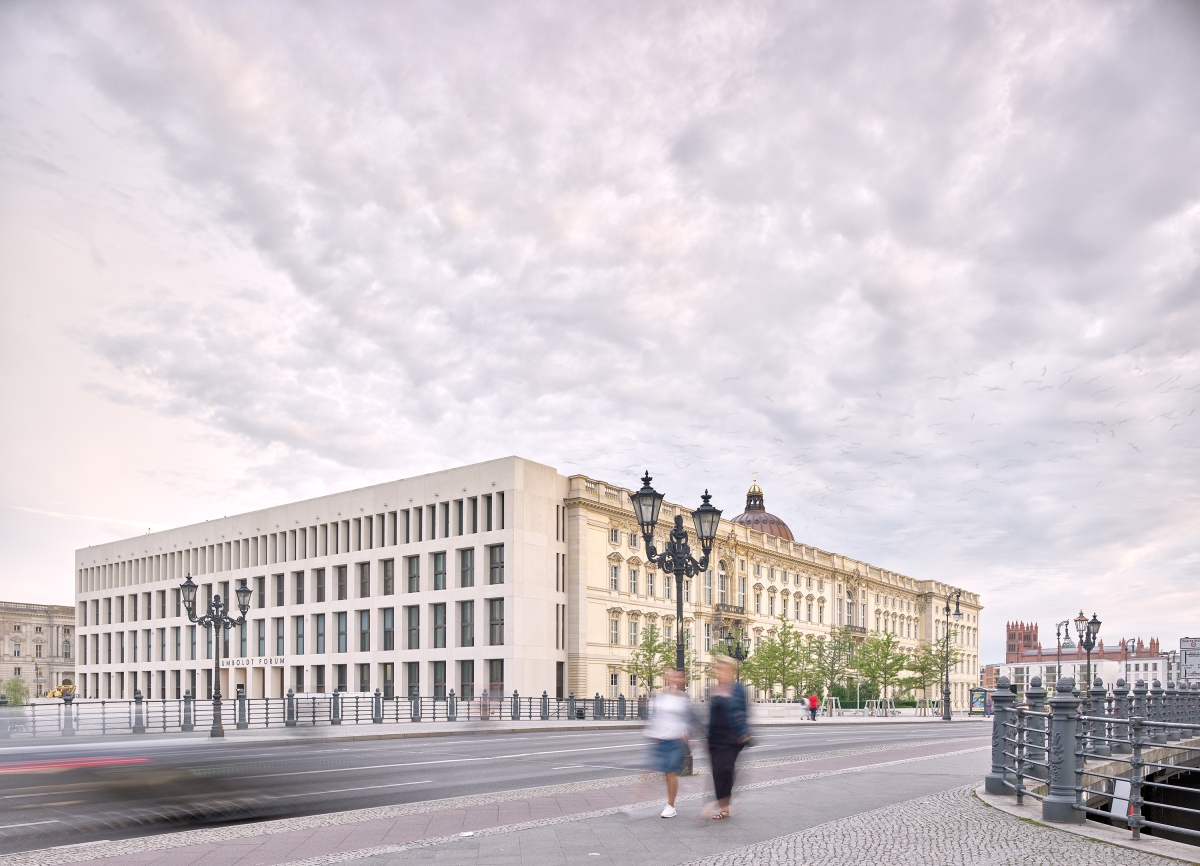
(666, 756)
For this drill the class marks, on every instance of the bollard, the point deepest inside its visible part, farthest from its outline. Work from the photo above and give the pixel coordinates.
(621, 707)
(414, 707)
(1059, 805)
(1155, 711)
(289, 720)
(139, 720)
(597, 707)
(452, 707)
(1003, 701)
(186, 725)
(377, 708)
(545, 706)
(1121, 711)
(1035, 696)
(68, 722)
(571, 705)
(1172, 711)
(242, 721)
(1097, 742)
(515, 713)
(335, 708)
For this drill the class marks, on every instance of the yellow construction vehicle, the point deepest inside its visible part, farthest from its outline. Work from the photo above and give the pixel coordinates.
(60, 691)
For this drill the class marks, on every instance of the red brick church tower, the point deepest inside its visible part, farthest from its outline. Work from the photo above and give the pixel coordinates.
(1022, 636)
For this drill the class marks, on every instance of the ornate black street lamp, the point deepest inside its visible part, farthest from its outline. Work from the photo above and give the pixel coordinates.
(736, 648)
(1089, 630)
(218, 621)
(957, 617)
(676, 557)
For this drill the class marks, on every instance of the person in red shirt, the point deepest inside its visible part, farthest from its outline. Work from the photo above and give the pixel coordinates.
(813, 703)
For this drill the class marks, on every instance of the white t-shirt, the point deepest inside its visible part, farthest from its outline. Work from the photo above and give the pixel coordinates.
(670, 716)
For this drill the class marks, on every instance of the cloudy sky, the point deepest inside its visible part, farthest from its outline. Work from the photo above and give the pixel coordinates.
(930, 269)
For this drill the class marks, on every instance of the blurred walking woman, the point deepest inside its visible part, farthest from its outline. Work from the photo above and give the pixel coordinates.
(670, 722)
(728, 731)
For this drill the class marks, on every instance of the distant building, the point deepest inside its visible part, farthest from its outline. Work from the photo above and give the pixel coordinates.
(1025, 658)
(36, 645)
(988, 675)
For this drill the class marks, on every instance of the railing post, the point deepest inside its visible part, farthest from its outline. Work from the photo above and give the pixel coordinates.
(1172, 712)
(187, 711)
(1059, 805)
(414, 707)
(1020, 729)
(621, 707)
(451, 707)
(242, 722)
(1156, 714)
(335, 708)
(1137, 733)
(1003, 701)
(1097, 743)
(139, 718)
(68, 722)
(1120, 730)
(1035, 740)
(516, 706)
(289, 720)
(377, 708)
(570, 706)
(597, 707)
(4, 723)
(545, 706)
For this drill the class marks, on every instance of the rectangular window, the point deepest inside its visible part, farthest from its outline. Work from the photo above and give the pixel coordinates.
(650, 583)
(466, 619)
(319, 576)
(474, 500)
(708, 637)
(340, 671)
(708, 587)
(341, 631)
(439, 626)
(260, 631)
(496, 621)
(364, 678)
(466, 567)
(496, 676)
(770, 605)
(439, 571)
(389, 628)
(299, 625)
(614, 577)
(668, 587)
(414, 573)
(364, 580)
(614, 631)
(340, 574)
(414, 626)
(496, 564)
(633, 581)
(413, 673)
(389, 577)
(633, 632)
(439, 681)
(260, 592)
(364, 631)
(279, 636)
(279, 602)
(299, 578)
(466, 679)
(178, 643)
(319, 628)
(388, 670)
(487, 513)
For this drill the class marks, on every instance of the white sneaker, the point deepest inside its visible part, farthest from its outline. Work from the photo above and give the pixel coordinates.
(669, 812)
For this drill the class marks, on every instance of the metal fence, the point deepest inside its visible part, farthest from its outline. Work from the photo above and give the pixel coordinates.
(1107, 754)
(141, 715)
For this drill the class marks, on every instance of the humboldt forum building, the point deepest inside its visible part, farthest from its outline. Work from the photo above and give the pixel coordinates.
(505, 575)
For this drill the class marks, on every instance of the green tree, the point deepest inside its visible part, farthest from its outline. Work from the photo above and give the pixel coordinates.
(16, 692)
(650, 658)
(832, 657)
(879, 660)
(782, 659)
(927, 664)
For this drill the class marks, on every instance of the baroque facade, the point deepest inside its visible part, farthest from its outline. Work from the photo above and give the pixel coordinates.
(504, 575)
(757, 573)
(37, 644)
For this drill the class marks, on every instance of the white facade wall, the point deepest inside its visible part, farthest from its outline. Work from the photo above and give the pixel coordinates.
(136, 634)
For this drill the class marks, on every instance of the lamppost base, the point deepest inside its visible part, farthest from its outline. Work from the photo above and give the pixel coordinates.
(217, 732)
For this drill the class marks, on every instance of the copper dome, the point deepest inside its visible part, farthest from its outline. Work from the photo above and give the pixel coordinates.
(757, 517)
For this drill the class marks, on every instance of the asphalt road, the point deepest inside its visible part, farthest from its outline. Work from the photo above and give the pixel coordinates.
(83, 792)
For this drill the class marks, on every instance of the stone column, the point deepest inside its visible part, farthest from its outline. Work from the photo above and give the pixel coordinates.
(1120, 730)
(1059, 805)
(1003, 702)
(1035, 696)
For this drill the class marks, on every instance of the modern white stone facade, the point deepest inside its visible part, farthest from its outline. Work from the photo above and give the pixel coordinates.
(503, 575)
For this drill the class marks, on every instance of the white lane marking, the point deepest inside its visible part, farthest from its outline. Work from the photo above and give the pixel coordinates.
(446, 761)
(30, 824)
(569, 767)
(364, 788)
(19, 796)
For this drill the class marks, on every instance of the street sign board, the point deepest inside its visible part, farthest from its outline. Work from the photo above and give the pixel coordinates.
(1189, 643)
(1190, 665)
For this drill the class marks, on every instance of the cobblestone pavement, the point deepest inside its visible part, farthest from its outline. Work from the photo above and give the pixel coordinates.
(951, 827)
